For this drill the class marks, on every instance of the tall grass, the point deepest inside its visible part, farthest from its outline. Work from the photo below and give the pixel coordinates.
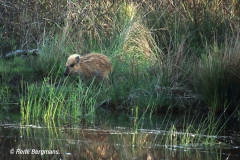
(217, 77)
(51, 100)
(167, 55)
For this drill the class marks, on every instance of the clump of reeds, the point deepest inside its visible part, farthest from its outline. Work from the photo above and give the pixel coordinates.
(217, 77)
(51, 100)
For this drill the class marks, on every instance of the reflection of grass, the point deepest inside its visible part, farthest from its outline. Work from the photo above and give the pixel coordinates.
(174, 133)
(125, 143)
(190, 132)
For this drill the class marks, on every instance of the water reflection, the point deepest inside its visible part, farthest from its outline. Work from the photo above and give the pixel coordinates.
(102, 143)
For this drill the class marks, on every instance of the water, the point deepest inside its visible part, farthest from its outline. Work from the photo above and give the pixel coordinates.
(102, 140)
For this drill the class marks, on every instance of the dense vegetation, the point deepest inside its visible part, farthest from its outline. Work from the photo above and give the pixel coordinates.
(181, 55)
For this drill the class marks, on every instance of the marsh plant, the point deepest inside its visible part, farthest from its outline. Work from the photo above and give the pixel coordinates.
(180, 56)
(52, 100)
(217, 77)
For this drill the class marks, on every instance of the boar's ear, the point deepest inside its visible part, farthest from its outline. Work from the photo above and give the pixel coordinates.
(77, 59)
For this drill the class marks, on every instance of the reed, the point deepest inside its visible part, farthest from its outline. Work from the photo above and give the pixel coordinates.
(173, 55)
(50, 100)
(217, 79)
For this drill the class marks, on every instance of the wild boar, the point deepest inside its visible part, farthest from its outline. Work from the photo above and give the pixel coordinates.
(88, 66)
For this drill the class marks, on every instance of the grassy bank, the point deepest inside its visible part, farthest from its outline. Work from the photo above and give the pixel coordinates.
(183, 57)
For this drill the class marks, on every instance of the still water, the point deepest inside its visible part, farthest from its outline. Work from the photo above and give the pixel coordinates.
(121, 139)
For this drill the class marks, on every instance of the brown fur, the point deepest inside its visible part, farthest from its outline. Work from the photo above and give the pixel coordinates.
(88, 66)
